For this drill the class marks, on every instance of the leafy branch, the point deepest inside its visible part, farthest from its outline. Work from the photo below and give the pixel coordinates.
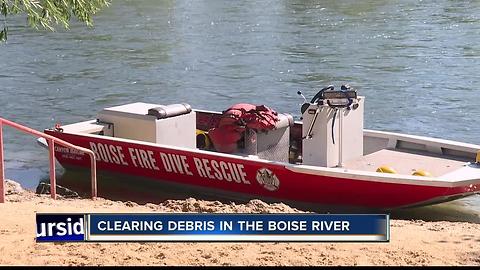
(48, 13)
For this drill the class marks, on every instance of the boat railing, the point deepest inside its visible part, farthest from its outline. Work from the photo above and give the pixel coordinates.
(51, 147)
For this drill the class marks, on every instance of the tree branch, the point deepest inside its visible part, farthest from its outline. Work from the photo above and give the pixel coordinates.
(49, 13)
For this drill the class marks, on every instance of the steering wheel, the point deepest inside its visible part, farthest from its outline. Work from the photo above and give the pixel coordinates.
(319, 94)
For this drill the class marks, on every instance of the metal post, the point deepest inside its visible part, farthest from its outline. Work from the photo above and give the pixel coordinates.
(53, 182)
(93, 172)
(2, 172)
(340, 140)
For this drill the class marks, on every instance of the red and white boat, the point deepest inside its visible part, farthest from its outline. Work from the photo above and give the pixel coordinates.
(326, 159)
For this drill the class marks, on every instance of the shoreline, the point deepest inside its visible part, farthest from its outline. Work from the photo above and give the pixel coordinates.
(413, 242)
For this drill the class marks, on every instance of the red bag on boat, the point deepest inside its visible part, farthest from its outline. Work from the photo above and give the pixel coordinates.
(225, 138)
(256, 117)
(234, 121)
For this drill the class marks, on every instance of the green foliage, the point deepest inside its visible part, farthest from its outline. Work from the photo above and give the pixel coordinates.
(47, 13)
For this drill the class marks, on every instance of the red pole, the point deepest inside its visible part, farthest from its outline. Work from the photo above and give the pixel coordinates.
(53, 182)
(2, 173)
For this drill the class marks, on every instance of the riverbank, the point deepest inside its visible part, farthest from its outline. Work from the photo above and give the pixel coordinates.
(413, 242)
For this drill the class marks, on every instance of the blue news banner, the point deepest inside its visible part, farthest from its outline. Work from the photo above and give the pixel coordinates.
(212, 227)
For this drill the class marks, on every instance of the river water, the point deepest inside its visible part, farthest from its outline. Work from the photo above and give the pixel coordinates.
(417, 63)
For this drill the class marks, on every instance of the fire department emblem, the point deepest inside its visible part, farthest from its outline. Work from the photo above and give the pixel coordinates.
(268, 179)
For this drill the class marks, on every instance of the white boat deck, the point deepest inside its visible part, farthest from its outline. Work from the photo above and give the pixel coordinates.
(406, 162)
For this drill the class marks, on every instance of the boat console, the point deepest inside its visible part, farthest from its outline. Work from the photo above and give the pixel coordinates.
(332, 130)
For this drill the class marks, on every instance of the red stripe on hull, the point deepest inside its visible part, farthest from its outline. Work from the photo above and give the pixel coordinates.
(239, 175)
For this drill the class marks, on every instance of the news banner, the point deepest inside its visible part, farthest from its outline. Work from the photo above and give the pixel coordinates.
(96, 227)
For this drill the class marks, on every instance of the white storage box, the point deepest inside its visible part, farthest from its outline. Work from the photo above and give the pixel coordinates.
(173, 125)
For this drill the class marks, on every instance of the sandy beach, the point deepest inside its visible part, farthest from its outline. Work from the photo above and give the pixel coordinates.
(413, 242)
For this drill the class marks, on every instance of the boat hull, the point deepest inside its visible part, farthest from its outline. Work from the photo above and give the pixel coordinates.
(252, 177)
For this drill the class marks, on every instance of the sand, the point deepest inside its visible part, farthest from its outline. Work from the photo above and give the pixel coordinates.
(413, 242)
